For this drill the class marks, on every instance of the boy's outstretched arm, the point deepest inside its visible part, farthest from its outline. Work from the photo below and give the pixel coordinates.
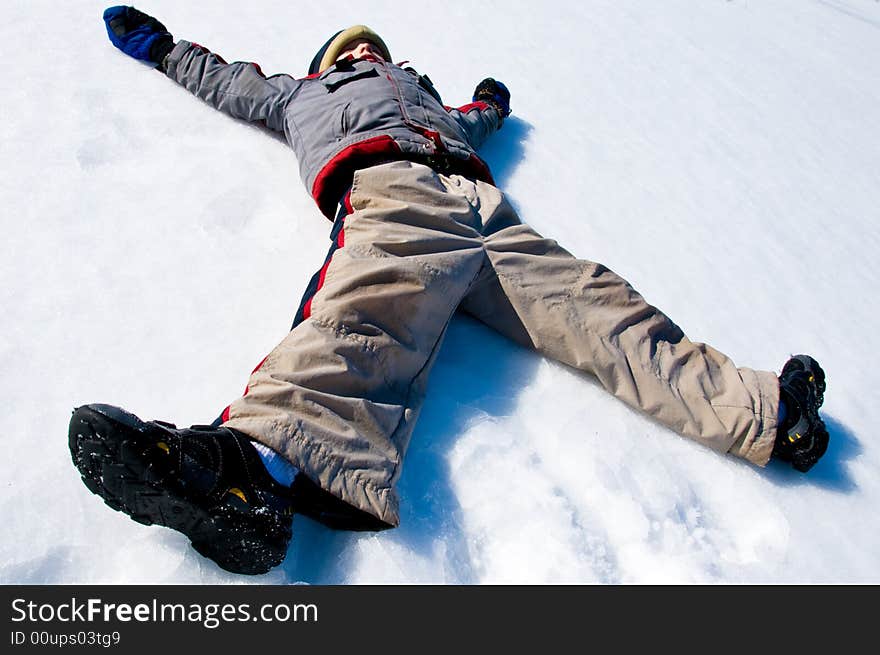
(239, 89)
(486, 114)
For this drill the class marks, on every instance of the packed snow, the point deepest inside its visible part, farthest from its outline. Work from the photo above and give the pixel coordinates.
(723, 156)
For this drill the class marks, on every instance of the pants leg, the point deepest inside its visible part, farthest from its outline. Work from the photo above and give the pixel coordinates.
(339, 396)
(584, 315)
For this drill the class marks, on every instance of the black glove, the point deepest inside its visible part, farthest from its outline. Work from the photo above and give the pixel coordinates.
(494, 93)
(137, 34)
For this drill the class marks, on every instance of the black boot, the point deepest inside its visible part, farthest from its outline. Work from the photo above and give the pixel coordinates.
(207, 482)
(802, 438)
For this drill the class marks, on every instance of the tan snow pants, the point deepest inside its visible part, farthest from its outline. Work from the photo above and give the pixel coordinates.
(339, 396)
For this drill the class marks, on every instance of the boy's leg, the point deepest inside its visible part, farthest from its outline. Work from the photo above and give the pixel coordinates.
(340, 394)
(586, 316)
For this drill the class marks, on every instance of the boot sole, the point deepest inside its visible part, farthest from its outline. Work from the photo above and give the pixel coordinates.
(117, 456)
(807, 363)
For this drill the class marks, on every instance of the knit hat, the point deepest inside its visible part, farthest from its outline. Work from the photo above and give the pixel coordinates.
(335, 45)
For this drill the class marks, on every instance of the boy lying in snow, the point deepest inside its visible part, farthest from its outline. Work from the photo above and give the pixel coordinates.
(419, 230)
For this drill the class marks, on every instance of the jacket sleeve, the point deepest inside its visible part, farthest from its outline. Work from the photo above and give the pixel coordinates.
(479, 120)
(239, 89)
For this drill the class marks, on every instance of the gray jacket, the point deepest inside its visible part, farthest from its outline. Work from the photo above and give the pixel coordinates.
(357, 113)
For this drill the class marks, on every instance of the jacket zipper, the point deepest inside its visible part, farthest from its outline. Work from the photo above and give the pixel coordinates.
(433, 135)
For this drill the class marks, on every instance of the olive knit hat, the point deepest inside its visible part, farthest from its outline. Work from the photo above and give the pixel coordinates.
(335, 45)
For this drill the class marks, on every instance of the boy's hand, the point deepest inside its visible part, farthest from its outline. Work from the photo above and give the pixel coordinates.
(137, 34)
(495, 93)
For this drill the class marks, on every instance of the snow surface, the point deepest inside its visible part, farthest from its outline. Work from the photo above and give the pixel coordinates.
(723, 156)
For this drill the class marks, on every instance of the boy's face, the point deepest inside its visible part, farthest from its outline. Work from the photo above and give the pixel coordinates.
(361, 49)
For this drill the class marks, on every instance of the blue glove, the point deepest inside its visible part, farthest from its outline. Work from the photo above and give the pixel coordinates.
(494, 93)
(137, 34)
